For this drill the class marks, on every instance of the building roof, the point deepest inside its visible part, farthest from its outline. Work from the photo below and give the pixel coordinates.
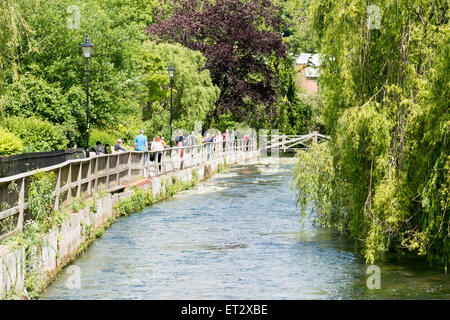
(312, 62)
(308, 59)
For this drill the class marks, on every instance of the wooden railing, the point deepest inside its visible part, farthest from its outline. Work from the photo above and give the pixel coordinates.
(84, 177)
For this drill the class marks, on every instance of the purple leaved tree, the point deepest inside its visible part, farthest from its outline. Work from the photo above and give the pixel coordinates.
(241, 41)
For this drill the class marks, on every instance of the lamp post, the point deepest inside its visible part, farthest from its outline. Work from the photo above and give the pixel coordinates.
(87, 48)
(171, 71)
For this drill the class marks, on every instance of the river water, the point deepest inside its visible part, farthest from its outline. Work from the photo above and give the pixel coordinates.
(238, 235)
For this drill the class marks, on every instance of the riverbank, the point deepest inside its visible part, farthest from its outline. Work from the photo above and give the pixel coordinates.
(29, 263)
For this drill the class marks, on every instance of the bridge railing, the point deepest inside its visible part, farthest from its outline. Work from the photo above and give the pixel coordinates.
(82, 178)
(288, 142)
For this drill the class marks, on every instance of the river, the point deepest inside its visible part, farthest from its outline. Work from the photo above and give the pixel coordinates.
(238, 235)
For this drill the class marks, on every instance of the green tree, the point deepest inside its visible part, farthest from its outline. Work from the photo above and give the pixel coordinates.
(49, 79)
(299, 32)
(194, 94)
(386, 93)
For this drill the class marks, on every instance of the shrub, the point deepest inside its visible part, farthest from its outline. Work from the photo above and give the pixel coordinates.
(34, 96)
(9, 143)
(103, 136)
(138, 199)
(37, 135)
(128, 130)
(40, 196)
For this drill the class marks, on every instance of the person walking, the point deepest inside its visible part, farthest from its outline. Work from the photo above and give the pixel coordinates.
(179, 143)
(158, 147)
(246, 140)
(191, 141)
(209, 140)
(232, 138)
(226, 139)
(179, 138)
(140, 143)
(163, 142)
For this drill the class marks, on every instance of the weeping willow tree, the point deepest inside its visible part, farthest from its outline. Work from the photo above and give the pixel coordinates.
(15, 33)
(384, 177)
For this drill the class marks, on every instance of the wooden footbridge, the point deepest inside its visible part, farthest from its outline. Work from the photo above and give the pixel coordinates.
(290, 143)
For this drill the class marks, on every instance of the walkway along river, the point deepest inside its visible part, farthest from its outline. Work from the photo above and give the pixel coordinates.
(238, 235)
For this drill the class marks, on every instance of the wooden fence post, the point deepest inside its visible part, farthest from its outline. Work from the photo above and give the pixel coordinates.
(21, 205)
(69, 183)
(89, 177)
(108, 172)
(129, 167)
(58, 187)
(80, 171)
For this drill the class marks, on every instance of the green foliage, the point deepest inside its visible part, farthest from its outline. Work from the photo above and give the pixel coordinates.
(32, 96)
(9, 143)
(100, 232)
(317, 185)
(149, 197)
(195, 178)
(37, 135)
(138, 200)
(59, 216)
(103, 136)
(299, 34)
(128, 81)
(77, 205)
(386, 94)
(7, 225)
(47, 81)
(194, 94)
(40, 196)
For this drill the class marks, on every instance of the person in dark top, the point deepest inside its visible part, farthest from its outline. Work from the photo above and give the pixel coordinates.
(107, 149)
(179, 138)
(99, 148)
(118, 147)
(209, 140)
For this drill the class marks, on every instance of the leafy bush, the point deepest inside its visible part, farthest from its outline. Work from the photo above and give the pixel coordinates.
(103, 136)
(9, 143)
(37, 135)
(138, 199)
(33, 96)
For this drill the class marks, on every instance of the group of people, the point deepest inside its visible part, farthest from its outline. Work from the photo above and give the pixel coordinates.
(141, 144)
(100, 149)
(159, 145)
(227, 137)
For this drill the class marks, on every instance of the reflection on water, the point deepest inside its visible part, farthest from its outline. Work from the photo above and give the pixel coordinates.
(237, 236)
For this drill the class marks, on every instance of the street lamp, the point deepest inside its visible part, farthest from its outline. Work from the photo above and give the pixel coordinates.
(87, 48)
(171, 71)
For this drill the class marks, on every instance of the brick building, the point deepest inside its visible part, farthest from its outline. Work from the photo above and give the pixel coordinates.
(307, 67)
